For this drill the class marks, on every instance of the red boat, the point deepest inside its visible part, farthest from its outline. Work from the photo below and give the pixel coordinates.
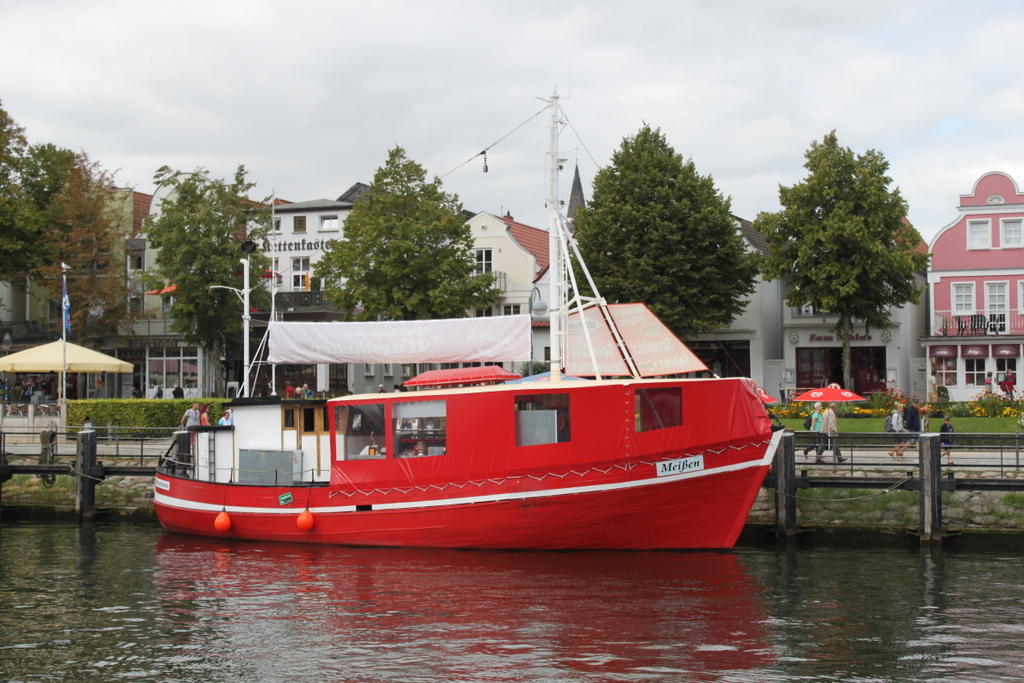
(634, 463)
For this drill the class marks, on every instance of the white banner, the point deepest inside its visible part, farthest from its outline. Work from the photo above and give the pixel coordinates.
(458, 340)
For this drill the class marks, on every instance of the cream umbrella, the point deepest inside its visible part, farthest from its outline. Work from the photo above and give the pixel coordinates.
(50, 358)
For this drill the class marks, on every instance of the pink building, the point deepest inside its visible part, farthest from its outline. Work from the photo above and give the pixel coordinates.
(976, 291)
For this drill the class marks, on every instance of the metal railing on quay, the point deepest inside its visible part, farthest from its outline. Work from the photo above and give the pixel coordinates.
(143, 445)
(988, 451)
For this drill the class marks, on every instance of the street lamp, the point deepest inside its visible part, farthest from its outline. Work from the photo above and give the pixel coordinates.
(540, 308)
(248, 247)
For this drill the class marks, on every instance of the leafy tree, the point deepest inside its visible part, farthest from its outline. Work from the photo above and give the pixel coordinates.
(16, 234)
(73, 204)
(407, 252)
(843, 240)
(199, 231)
(56, 207)
(658, 232)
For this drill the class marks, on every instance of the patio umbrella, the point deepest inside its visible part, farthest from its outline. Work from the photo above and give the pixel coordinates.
(761, 394)
(829, 395)
(50, 358)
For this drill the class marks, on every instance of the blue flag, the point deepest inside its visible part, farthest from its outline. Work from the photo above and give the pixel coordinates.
(66, 305)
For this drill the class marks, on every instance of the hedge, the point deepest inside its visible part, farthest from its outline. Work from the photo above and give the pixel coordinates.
(126, 413)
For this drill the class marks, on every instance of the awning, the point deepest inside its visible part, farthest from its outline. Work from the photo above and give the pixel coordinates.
(942, 351)
(974, 351)
(51, 358)
(1006, 350)
(484, 374)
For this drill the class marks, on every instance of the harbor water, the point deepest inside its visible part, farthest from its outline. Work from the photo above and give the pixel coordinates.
(127, 602)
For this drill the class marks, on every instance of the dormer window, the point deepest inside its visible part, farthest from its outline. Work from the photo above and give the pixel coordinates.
(994, 199)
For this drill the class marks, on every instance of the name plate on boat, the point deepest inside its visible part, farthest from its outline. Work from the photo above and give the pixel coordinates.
(681, 466)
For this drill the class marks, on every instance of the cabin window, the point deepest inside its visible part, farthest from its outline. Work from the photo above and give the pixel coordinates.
(420, 428)
(658, 408)
(289, 418)
(364, 431)
(309, 420)
(542, 418)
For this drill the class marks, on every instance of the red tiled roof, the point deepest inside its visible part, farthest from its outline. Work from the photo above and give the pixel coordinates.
(533, 240)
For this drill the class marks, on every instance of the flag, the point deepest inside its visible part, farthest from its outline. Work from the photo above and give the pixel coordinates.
(66, 305)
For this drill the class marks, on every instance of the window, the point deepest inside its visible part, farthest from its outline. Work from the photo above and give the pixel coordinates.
(944, 370)
(299, 224)
(996, 303)
(1011, 234)
(277, 225)
(368, 370)
(510, 309)
(420, 428)
(974, 375)
(963, 297)
(542, 419)
(278, 278)
(658, 408)
(364, 430)
(328, 223)
(484, 312)
(978, 235)
(483, 261)
(300, 274)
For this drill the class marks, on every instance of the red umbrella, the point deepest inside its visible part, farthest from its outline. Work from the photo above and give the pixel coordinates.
(828, 395)
(764, 396)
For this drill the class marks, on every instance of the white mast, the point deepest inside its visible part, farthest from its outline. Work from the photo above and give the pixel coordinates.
(555, 265)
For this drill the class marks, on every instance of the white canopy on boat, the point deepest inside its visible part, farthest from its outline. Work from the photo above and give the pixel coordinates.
(457, 340)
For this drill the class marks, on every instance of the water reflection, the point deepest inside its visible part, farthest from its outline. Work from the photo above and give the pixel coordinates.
(450, 615)
(122, 602)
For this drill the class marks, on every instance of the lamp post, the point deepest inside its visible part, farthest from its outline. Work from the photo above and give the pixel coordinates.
(248, 247)
(539, 308)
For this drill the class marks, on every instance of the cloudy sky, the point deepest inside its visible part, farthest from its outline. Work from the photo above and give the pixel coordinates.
(310, 96)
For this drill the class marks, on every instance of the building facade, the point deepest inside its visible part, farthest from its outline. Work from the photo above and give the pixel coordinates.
(976, 292)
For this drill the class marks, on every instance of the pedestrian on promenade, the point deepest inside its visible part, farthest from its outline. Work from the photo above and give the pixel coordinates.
(191, 417)
(895, 425)
(946, 439)
(227, 418)
(816, 429)
(830, 430)
(178, 391)
(204, 418)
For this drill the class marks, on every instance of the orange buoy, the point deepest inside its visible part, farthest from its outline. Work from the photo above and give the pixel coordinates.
(305, 520)
(223, 521)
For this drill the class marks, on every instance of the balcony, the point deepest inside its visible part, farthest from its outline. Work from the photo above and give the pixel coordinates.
(965, 324)
(301, 301)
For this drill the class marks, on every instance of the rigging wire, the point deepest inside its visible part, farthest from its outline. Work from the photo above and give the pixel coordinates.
(484, 150)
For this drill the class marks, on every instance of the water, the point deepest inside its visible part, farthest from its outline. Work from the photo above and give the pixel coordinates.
(125, 602)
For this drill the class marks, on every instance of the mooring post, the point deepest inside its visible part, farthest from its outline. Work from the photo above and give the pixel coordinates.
(785, 490)
(931, 491)
(86, 468)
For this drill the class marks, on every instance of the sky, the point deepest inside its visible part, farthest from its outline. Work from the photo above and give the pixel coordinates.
(311, 95)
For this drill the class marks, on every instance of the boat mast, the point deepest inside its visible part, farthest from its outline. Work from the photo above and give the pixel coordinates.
(555, 264)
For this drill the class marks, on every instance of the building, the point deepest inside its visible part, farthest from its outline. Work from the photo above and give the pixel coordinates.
(976, 291)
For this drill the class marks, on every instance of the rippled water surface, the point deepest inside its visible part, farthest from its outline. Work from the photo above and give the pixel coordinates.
(128, 602)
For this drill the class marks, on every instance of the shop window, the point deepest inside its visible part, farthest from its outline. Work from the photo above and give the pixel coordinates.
(974, 372)
(542, 419)
(420, 428)
(944, 370)
(658, 408)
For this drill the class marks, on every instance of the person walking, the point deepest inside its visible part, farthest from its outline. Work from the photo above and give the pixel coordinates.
(946, 439)
(815, 429)
(895, 425)
(830, 430)
(191, 417)
(204, 418)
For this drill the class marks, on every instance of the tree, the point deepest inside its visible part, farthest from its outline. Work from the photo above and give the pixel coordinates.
(843, 240)
(407, 252)
(57, 207)
(199, 231)
(658, 232)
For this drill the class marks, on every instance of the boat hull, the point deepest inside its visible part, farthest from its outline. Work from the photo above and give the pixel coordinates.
(702, 510)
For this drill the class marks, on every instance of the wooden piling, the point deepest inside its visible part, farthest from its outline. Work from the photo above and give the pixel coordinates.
(88, 473)
(931, 490)
(785, 490)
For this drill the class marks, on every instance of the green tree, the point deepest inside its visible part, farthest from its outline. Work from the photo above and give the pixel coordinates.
(658, 232)
(198, 231)
(407, 253)
(843, 240)
(56, 207)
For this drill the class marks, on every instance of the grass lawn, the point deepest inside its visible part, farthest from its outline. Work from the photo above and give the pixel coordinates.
(968, 425)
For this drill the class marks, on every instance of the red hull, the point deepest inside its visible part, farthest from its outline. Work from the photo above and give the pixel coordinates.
(702, 512)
